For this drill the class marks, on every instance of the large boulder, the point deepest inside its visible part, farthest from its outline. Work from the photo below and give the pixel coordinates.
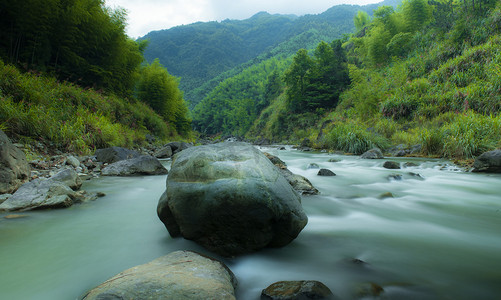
(142, 165)
(294, 290)
(40, 193)
(14, 169)
(231, 199)
(179, 275)
(488, 162)
(114, 154)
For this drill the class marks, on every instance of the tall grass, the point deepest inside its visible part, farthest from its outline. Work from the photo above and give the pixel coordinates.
(72, 118)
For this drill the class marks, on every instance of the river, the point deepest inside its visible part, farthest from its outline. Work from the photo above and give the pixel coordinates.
(438, 237)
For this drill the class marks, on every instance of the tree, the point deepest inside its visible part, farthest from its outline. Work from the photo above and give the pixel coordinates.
(296, 79)
(416, 14)
(361, 20)
(160, 91)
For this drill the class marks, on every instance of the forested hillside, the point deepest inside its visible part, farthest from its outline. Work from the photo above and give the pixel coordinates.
(426, 73)
(200, 52)
(70, 76)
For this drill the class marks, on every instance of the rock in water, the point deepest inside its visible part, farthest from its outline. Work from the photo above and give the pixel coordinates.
(179, 275)
(372, 154)
(325, 172)
(231, 199)
(142, 165)
(391, 165)
(488, 162)
(14, 169)
(292, 290)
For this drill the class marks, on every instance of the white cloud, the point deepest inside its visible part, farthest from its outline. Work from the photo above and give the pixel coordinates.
(148, 15)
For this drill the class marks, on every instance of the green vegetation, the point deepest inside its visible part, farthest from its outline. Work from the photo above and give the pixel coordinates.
(448, 101)
(160, 91)
(82, 44)
(201, 53)
(34, 107)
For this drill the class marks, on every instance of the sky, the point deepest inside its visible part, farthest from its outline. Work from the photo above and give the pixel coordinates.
(144, 16)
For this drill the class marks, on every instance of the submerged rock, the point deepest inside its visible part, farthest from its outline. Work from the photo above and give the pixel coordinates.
(373, 154)
(489, 162)
(179, 275)
(142, 165)
(326, 172)
(293, 290)
(391, 165)
(300, 183)
(14, 169)
(231, 199)
(313, 166)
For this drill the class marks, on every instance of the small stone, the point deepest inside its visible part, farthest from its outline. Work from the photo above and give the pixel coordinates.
(291, 290)
(313, 166)
(326, 172)
(72, 161)
(333, 160)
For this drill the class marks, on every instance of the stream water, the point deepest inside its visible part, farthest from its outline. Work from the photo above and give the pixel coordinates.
(438, 237)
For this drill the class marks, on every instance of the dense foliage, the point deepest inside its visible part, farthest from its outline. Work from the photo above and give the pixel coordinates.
(82, 42)
(160, 91)
(199, 53)
(426, 73)
(38, 108)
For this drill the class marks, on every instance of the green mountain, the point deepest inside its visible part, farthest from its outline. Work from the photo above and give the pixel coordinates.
(200, 52)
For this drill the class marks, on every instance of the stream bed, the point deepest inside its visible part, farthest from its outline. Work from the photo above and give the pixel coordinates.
(438, 237)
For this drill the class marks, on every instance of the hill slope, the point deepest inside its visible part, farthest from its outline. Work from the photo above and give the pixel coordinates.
(200, 52)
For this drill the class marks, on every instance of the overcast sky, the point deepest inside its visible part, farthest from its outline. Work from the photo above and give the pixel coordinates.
(148, 15)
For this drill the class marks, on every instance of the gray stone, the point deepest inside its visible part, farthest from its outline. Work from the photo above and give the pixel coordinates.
(73, 161)
(373, 154)
(55, 192)
(14, 169)
(231, 199)
(38, 194)
(297, 290)
(68, 177)
(114, 154)
(326, 172)
(489, 162)
(300, 183)
(165, 152)
(391, 165)
(182, 275)
(178, 146)
(142, 165)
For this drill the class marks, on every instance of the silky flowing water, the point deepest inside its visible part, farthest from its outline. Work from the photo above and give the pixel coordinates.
(439, 237)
